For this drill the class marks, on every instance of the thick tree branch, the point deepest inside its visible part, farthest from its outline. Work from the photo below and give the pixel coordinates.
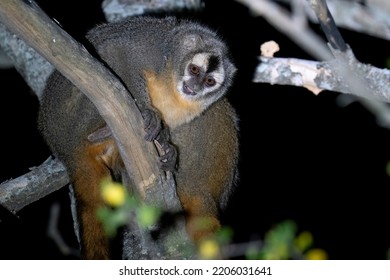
(110, 97)
(35, 69)
(100, 85)
(313, 75)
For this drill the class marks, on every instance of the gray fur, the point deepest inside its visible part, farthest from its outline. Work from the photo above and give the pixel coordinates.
(207, 145)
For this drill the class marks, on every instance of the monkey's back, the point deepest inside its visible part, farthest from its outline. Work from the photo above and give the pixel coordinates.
(66, 117)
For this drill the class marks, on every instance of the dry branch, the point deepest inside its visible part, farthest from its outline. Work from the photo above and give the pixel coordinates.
(100, 85)
(34, 68)
(118, 9)
(348, 74)
(39, 182)
(369, 17)
(294, 26)
(313, 75)
(27, 20)
(372, 18)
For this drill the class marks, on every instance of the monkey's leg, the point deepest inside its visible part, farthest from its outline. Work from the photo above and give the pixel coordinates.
(92, 164)
(201, 216)
(208, 152)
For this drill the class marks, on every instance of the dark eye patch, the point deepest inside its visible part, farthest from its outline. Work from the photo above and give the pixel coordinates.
(214, 62)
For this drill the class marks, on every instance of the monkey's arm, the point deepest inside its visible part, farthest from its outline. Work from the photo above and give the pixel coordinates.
(168, 158)
(129, 63)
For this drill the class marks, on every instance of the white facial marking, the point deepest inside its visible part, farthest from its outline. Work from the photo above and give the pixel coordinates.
(202, 60)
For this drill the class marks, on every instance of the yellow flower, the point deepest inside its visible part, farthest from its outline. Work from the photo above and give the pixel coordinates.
(114, 194)
(316, 254)
(208, 249)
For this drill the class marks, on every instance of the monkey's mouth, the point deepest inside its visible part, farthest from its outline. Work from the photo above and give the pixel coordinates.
(188, 90)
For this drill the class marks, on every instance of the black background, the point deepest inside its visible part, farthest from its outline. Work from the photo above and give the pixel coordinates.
(303, 157)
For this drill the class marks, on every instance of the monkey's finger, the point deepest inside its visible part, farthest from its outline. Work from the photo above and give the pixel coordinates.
(169, 159)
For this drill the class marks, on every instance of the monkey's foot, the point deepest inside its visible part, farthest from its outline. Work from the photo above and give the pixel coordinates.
(152, 124)
(168, 156)
(168, 159)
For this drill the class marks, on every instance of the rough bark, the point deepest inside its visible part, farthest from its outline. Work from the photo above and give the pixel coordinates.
(28, 21)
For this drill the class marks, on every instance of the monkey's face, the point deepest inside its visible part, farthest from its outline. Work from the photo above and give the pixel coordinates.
(203, 76)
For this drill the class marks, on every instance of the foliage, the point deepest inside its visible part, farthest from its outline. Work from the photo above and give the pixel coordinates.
(280, 243)
(283, 242)
(121, 206)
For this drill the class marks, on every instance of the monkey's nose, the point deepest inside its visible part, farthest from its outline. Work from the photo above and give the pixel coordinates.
(188, 90)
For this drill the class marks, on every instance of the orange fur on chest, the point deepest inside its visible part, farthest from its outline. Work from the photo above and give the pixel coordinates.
(174, 109)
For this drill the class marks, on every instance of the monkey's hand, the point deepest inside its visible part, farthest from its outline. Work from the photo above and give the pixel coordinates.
(152, 124)
(155, 131)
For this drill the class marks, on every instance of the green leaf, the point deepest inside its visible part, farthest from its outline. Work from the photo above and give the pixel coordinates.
(112, 219)
(278, 242)
(148, 215)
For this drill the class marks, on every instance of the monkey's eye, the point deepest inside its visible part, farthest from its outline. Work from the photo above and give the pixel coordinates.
(210, 81)
(194, 70)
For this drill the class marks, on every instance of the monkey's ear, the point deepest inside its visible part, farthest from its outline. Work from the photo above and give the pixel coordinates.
(191, 41)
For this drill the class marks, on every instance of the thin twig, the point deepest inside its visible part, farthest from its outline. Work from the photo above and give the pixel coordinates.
(53, 232)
